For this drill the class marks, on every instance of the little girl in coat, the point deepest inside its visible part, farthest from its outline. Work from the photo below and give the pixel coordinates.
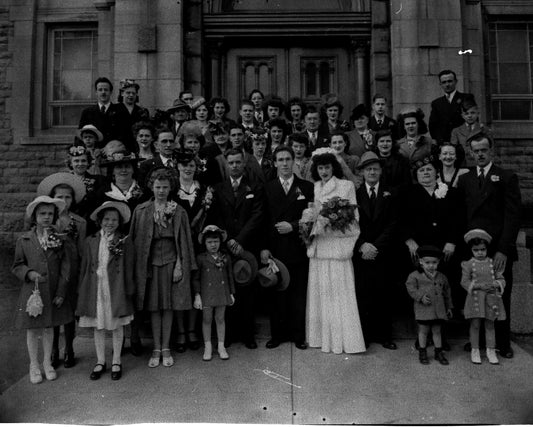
(213, 287)
(484, 300)
(41, 260)
(106, 284)
(71, 189)
(431, 293)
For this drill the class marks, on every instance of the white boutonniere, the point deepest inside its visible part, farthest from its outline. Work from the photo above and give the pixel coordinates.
(249, 196)
(495, 178)
(170, 209)
(299, 194)
(440, 192)
(386, 194)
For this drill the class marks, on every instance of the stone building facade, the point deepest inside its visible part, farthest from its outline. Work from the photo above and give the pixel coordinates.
(52, 50)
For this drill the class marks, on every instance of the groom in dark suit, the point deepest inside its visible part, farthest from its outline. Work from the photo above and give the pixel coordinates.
(238, 209)
(286, 198)
(377, 220)
(493, 203)
(446, 110)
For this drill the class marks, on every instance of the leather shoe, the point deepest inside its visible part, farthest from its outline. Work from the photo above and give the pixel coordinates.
(194, 345)
(116, 375)
(95, 375)
(181, 347)
(301, 345)
(251, 344)
(446, 345)
(69, 361)
(54, 358)
(507, 353)
(136, 348)
(390, 345)
(273, 343)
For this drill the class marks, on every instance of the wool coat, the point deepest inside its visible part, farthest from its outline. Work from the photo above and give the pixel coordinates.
(437, 289)
(54, 266)
(120, 271)
(141, 231)
(215, 285)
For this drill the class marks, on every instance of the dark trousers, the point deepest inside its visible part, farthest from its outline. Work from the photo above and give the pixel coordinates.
(374, 288)
(287, 308)
(240, 317)
(503, 327)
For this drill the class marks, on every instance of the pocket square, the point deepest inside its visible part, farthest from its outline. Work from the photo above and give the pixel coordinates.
(301, 197)
(249, 196)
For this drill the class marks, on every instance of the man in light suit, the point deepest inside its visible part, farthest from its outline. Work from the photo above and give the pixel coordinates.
(238, 209)
(446, 110)
(286, 198)
(377, 220)
(493, 203)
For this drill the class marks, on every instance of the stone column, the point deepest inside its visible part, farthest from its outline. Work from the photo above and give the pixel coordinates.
(362, 60)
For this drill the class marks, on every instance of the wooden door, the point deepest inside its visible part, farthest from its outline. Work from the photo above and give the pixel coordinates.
(291, 72)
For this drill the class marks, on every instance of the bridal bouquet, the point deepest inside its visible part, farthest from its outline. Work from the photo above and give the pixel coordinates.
(339, 212)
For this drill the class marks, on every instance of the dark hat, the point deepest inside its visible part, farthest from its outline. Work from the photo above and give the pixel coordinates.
(429, 250)
(368, 158)
(244, 268)
(118, 158)
(422, 157)
(197, 101)
(330, 99)
(359, 111)
(126, 83)
(178, 104)
(184, 156)
(277, 280)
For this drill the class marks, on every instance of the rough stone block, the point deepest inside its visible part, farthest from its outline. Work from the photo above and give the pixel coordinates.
(168, 38)
(168, 64)
(450, 34)
(380, 40)
(126, 38)
(428, 34)
(410, 62)
(382, 68)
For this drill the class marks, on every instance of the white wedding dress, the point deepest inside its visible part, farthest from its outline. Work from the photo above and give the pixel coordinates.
(332, 317)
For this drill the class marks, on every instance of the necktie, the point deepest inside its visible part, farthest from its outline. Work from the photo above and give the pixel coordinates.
(235, 186)
(372, 199)
(102, 109)
(286, 186)
(169, 164)
(380, 122)
(313, 138)
(481, 178)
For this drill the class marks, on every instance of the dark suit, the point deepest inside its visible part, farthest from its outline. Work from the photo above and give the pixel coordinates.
(241, 215)
(138, 114)
(287, 308)
(112, 123)
(146, 167)
(445, 116)
(495, 208)
(321, 141)
(373, 283)
(388, 123)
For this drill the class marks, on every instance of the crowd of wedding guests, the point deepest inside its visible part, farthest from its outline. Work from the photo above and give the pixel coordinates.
(199, 213)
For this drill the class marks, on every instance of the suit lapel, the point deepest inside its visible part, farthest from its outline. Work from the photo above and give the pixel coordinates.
(364, 201)
(380, 202)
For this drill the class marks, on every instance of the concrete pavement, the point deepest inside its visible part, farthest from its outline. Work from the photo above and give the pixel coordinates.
(283, 386)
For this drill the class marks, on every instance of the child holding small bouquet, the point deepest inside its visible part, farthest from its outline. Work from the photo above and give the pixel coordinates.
(42, 265)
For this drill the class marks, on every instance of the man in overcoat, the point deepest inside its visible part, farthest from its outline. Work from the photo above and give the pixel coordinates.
(286, 198)
(493, 203)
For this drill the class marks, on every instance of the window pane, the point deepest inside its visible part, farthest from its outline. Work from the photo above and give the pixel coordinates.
(77, 54)
(67, 115)
(71, 87)
(324, 78)
(514, 78)
(310, 79)
(496, 110)
(513, 46)
(515, 110)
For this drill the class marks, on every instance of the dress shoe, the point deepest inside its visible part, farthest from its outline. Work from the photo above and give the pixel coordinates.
(423, 356)
(491, 355)
(475, 356)
(116, 374)
(439, 356)
(54, 358)
(96, 374)
(390, 345)
(36, 376)
(194, 345)
(445, 345)
(69, 361)
(507, 353)
(273, 343)
(300, 345)
(251, 344)
(168, 360)
(136, 348)
(181, 347)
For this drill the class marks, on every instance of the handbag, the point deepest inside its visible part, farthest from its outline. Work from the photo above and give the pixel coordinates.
(34, 305)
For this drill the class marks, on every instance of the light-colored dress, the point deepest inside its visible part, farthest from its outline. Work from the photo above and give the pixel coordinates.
(104, 314)
(332, 316)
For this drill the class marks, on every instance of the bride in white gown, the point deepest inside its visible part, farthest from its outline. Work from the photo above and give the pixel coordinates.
(332, 317)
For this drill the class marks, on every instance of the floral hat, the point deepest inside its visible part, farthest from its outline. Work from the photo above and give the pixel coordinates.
(122, 208)
(60, 204)
(323, 150)
(119, 157)
(126, 83)
(212, 229)
(47, 185)
(77, 150)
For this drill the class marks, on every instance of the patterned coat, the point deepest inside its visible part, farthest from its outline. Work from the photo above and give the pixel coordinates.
(141, 231)
(438, 290)
(54, 266)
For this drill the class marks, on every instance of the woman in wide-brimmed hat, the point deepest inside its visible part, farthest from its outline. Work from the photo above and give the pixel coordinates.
(69, 188)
